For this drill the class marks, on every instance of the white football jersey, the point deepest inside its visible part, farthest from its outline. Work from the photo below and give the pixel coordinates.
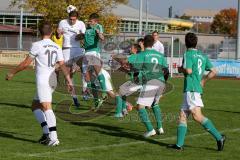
(70, 32)
(46, 54)
(158, 46)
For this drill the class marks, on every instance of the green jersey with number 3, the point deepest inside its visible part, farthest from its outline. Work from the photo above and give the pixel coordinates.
(91, 39)
(151, 62)
(199, 63)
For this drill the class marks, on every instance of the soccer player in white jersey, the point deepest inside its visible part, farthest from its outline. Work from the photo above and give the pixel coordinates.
(46, 54)
(158, 46)
(71, 28)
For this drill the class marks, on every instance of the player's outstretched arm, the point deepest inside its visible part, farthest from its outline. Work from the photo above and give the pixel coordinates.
(210, 75)
(123, 61)
(23, 65)
(66, 74)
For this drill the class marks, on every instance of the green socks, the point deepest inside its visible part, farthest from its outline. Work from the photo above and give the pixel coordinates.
(181, 132)
(145, 119)
(102, 82)
(208, 125)
(157, 115)
(119, 105)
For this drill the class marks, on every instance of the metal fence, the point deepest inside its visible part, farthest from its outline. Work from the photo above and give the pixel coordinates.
(11, 42)
(120, 44)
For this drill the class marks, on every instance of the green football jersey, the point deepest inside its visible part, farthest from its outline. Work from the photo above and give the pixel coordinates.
(150, 63)
(199, 63)
(91, 39)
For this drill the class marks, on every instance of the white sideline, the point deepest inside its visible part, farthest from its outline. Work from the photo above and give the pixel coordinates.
(46, 154)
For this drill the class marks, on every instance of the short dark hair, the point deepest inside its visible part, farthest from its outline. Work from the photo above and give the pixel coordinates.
(191, 40)
(45, 28)
(73, 14)
(137, 46)
(148, 41)
(94, 16)
(155, 32)
(140, 40)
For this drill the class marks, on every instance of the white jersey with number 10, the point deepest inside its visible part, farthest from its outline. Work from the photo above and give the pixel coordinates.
(46, 54)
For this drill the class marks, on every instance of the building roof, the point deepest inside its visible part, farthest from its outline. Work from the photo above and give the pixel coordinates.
(201, 12)
(126, 12)
(12, 28)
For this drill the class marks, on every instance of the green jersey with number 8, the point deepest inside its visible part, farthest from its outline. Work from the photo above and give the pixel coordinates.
(199, 63)
(151, 62)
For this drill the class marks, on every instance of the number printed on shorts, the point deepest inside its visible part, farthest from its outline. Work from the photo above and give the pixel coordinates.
(155, 67)
(52, 57)
(199, 66)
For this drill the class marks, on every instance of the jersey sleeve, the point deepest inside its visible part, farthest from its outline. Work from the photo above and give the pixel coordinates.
(34, 51)
(83, 27)
(139, 62)
(100, 28)
(209, 65)
(188, 63)
(130, 59)
(161, 48)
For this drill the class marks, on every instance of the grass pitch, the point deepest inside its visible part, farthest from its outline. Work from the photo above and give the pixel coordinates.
(104, 137)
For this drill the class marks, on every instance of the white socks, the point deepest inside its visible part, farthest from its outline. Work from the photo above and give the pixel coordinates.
(41, 118)
(51, 121)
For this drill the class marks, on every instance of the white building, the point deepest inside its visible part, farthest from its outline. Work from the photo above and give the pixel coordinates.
(201, 15)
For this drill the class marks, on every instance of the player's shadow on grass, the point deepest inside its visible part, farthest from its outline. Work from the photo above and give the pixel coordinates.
(15, 105)
(118, 132)
(11, 135)
(219, 110)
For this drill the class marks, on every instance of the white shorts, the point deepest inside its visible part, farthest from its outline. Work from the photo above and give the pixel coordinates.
(91, 58)
(151, 93)
(71, 55)
(108, 82)
(45, 89)
(191, 100)
(128, 88)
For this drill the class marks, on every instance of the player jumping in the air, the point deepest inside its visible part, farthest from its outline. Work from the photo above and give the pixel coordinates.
(71, 28)
(194, 66)
(152, 65)
(46, 54)
(92, 59)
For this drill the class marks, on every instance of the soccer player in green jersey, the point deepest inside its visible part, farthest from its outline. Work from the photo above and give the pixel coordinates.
(130, 86)
(150, 63)
(92, 37)
(194, 66)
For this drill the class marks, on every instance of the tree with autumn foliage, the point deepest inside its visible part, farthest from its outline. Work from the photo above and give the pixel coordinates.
(225, 22)
(55, 10)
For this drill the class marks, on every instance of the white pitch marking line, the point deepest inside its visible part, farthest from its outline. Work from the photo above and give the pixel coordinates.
(115, 145)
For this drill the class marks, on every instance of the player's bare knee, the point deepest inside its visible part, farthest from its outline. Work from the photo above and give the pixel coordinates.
(197, 114)
(36, 105)
(46, 106)
(111, 94)
(182, 117)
